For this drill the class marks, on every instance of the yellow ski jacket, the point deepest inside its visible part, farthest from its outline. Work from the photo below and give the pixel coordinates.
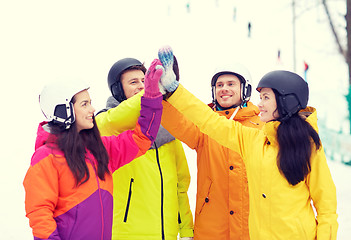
(150, 193)
(278, 210)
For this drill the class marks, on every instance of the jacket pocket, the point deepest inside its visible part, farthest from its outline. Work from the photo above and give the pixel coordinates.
(204, 197)
(129, 199)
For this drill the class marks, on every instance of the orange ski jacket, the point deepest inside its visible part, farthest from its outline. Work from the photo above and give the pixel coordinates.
(222, 201)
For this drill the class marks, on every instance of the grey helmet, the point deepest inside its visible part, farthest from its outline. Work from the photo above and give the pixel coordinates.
(292, 89)
(241, 72)
(114, 76)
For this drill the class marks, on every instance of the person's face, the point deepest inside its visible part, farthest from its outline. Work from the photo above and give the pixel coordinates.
(228, 90)
(83, 110)
(132, 82)
(267, 105)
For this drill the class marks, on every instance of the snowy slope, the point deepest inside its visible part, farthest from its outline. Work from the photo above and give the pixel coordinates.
(42, 40)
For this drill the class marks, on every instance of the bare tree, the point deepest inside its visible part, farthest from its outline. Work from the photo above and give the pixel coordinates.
(348, 32)
(344, 51)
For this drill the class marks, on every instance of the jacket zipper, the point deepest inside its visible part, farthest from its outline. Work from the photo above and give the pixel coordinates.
(128, 202)
(162, 217)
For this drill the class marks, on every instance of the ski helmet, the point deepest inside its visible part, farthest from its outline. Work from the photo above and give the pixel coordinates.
(292, 89)
(242, 73)
(55, 102)
(114, 76)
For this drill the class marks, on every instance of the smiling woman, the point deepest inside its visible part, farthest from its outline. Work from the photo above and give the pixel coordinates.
(267, 105)
(84, 111)
(72, 165)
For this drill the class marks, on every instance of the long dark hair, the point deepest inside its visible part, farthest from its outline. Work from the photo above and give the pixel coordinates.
(74, 145)
(295, 137)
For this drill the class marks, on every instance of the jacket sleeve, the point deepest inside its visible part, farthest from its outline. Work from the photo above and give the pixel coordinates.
(121, 118)
(230, 134)
(133, 143)
(323, 193)
(186, 226)
(41, 194)
(180, 127)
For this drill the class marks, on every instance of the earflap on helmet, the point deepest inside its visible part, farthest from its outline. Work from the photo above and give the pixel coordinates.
(118, 92)
(289, 105)
(245, 92)
(64, 115)
(213, 91)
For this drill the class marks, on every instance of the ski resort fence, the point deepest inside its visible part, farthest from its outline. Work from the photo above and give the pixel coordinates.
(337, 145)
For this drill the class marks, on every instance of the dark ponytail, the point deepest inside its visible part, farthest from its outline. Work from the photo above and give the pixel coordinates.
(296, 138)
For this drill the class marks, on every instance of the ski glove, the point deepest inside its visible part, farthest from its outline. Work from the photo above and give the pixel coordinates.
(176, 72)
(152, 78)
(169, 77)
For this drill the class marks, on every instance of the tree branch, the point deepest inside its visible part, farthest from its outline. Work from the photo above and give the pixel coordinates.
(331, 23)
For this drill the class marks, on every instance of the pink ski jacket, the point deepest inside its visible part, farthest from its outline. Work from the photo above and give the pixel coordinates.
(56, 208)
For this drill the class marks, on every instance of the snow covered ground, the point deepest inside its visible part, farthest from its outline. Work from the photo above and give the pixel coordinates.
(43, 40)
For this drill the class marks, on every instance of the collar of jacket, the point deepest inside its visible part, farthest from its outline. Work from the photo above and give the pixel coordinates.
(270, 128)
(163, 136)
(246, 112)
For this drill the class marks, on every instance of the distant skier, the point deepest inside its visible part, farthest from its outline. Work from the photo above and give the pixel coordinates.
(234, 14)
(249, 29)
(306, 66)
(306, 69)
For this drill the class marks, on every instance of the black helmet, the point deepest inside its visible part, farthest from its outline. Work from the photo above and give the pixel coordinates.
(114, 76)
(292, 90)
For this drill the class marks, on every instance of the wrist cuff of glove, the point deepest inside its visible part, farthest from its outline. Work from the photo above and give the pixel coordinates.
(149, 94)
(172, 87)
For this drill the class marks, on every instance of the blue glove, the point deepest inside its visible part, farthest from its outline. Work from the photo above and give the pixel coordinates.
(169, 77)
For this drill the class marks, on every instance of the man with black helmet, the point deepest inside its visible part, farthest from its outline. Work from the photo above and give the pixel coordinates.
(222, 204)
(151, 200)
(126, 78)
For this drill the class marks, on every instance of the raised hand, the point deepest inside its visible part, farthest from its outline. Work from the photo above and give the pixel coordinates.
(152, 78)
(169, 77)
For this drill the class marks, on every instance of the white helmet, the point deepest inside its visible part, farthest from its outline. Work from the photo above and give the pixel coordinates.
(55, 101)
(241, 72)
